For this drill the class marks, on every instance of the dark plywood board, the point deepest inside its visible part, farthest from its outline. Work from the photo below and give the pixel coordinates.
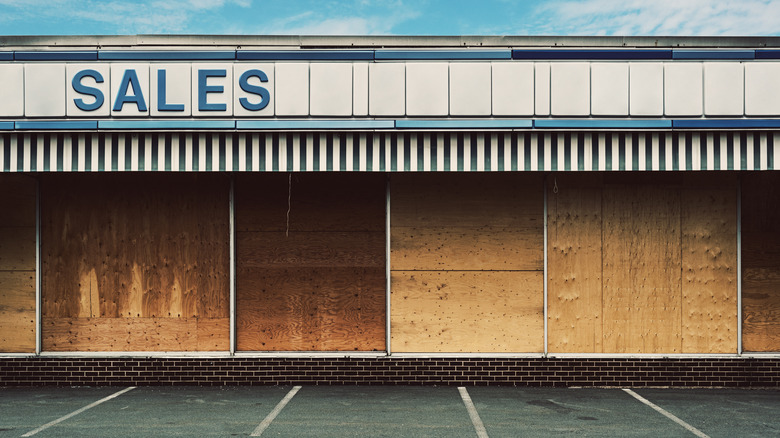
(761, 261)
(317, 202)
(17, 196)
(311, 249)
(136, 334)
(311, 309)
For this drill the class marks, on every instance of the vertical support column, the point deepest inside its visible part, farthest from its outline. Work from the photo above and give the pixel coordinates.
(739, 265)
(232, 267)
(387, 265)
(38, 298)
(544, 189)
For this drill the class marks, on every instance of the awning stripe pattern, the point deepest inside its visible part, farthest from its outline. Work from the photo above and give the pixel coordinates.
(389, 151)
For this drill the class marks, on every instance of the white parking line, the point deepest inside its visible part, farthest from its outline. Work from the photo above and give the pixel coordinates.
(478, 426)
(268, 419)
(74, 413)
(667, 414)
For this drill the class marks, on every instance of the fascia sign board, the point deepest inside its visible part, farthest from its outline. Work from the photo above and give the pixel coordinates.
(470, 88)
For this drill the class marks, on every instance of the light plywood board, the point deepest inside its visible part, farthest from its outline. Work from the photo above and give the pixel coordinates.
(17, 248)
(641, 269)
(760, 309)
(574, 264)
(455, 248)
(451, 312)
(17, 312)
(709, 263)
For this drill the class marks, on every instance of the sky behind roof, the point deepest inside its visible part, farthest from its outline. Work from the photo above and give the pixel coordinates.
(392, 17)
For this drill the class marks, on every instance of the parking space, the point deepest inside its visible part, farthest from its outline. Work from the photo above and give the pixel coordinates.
(390, 411)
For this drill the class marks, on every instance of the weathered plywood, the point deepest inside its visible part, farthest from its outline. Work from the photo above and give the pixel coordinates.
(317, 202)
(17, 312)
(134, 247)
(709, 263)
(456, 248)
(497, 312)
(311, 309)
(467, 200)
(17, 248)
(17, 197)
(157, 246)
(641, 269)
(574, 264)
(761, 309)
(761, 261)
(311, 249)
(135, 334)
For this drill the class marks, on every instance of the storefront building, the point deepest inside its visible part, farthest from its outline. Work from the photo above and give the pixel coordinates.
(386, 210)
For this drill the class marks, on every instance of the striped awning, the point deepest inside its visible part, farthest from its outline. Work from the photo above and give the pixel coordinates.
(388, 151)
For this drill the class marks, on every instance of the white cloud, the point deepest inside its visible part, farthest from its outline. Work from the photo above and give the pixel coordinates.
(144, 16)
(658, 17)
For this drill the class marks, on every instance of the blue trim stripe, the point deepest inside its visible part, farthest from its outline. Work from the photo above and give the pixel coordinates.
(589, 54)
(713, 54)
(442, 54)
(315, 124)
(181, 55)
(166, 124)
(6, 126)
(462, 124)
(56, 125)
(6, 56)
(51, 55)
(725, 123)
(272, 55)
(601, 124)
(768, 54)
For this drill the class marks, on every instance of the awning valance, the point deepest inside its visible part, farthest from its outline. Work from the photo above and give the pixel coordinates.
(388, 151)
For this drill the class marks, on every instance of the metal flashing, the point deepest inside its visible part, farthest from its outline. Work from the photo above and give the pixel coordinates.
(56, 125)
(52, 55)
(591, 54)
(464, 124)
(465, 54)
(166, 124)
(314, 124)
(303, 55)
(713, 54)
(167, 55)
(602, 123)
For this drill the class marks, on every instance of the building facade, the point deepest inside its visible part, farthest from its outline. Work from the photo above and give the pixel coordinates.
(486, 210)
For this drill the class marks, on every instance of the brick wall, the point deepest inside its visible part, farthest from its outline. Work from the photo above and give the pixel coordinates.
(33, 371)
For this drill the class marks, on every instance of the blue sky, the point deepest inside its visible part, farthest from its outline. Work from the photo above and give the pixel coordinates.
(391, 17)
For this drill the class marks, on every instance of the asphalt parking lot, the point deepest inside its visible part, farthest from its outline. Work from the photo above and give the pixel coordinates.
(398, 411)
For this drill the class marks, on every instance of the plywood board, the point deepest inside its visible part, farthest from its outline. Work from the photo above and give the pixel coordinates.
(17, 248)
(17, 312)
(761, 261)
(456, 248)
(317, 202)
(574, 264)
(438, 312)
(17, 196)
(135, 334)
(311, 249)
(641, 269)
(157, 246)
(311, 309)
(761, 309)
(709, 263)
(467, 200)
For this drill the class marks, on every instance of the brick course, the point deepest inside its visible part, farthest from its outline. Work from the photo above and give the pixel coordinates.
(682, 372)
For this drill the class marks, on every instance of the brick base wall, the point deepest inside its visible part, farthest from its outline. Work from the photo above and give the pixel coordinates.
(737, 372)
